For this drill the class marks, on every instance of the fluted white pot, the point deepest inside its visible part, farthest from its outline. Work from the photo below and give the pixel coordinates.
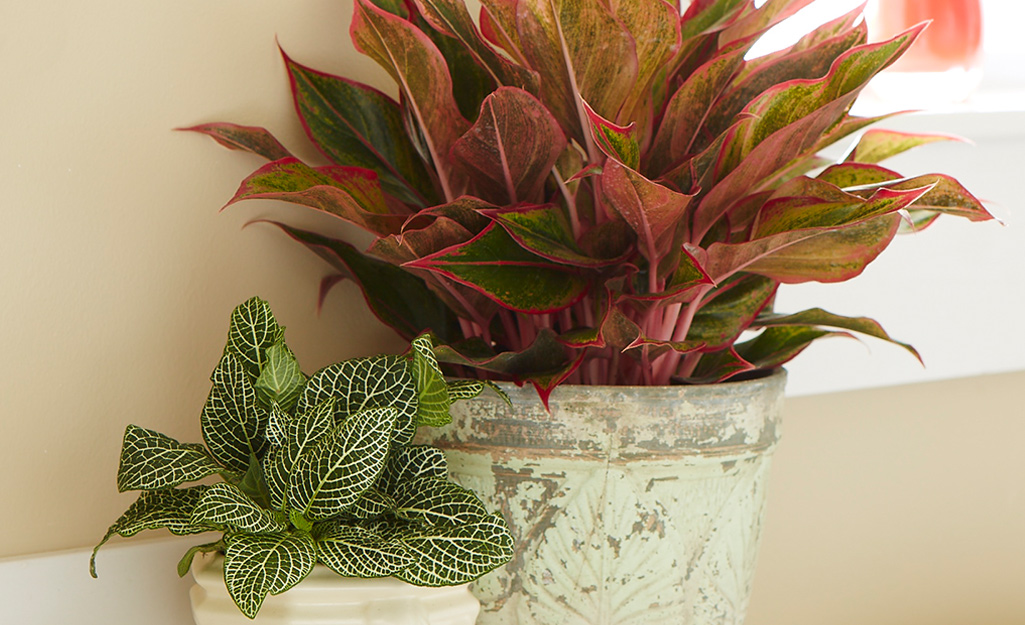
(324, 598)
(629, 505)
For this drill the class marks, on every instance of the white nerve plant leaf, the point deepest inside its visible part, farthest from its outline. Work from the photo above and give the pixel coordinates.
(231, 421)
(226, 504)
(354, 551)
(445, 555)
(433, 501)
(319, 469)
(364, 383)
(152, 461)
(256, 565)
(432, 392)
(281, 380)
(252, 330)
(169, 509)
(341, 466)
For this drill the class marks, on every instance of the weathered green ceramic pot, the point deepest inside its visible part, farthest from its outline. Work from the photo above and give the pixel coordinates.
(629, 505)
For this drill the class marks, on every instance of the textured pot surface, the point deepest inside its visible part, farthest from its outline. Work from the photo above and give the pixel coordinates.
(628, 504)
(324, 598)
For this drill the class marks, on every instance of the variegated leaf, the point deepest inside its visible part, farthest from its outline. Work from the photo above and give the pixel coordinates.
(226, 504)
(433, 400)
(246, 138)
(277, 426)
(816, 317)
(420, 70)
(151, 461)
(332, 475)
(363, 383)
(371, 505)
(464, 389)
(356, 125)
(157, 509)
(436, 501)
(407, 464)
(879, 144)
(305, 430)
(253, 329)
(446, 555)
(353, 551)
(256, 565)
(232, 421)
(275, 471)
(281, 380)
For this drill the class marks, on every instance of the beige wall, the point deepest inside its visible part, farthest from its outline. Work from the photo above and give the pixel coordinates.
(118, 273)
(898, 506)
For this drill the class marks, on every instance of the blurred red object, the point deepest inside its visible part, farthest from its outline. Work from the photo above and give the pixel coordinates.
(953, 39)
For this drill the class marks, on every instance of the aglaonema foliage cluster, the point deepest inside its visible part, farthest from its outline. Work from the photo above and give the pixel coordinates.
(315, 469)
(600, 191)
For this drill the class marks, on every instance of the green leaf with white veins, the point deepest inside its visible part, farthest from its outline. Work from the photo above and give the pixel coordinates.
(226, 504)
(253, 329)
(434, 501)
(445, 555)
(150, 461)
(156, 509)
(353, 551)
(255, 565)
(433, 399)
(364, 383)
(335, 472)
(231, 421)
(281, 380)
(407, 464)
(298, 435)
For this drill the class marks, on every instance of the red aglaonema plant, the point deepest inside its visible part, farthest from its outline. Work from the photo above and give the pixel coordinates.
(600, 191)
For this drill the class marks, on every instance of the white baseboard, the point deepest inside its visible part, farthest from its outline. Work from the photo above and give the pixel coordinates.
(137, 584)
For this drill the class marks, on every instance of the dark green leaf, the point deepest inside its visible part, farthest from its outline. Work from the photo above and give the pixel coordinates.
(258, 565)
(153, 461)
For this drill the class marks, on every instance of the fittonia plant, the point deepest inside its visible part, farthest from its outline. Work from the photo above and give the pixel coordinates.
(600, 191)
(319, 469)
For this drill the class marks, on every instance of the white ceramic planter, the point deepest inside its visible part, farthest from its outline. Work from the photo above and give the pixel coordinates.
(629, 505)
(324, 598)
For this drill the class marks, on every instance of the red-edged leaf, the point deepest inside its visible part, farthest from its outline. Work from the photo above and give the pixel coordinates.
(353, 124)
(655, 28)
(544, 356)
(824, 32)
(812, 63)
(778, 345)
(545, 383)
(511, 148)
(351, 193)
(495, 265)
(729, 309)
(580, 51)
(545, 231)
(847, 175)
(498, 26)
(946, 196)
(615, 141)
(451, 18)
(788, 121)
(718, 367)
(816, 317)
(812, 203)
(411, 244)
(816, 254)
(246, 138)
(754, 21)
(399, 299)
(418, 67)
(688, 109)
(653, 211)
(878, 144)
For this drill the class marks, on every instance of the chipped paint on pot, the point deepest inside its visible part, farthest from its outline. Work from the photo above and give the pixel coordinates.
(629, 505)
